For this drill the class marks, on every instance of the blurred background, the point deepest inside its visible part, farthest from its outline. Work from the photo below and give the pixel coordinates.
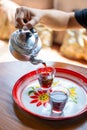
(69, 46)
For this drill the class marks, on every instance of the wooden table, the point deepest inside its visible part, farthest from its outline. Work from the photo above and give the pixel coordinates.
(12, 118)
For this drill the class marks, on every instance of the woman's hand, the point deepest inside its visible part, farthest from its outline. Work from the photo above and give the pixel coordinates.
(27, 17)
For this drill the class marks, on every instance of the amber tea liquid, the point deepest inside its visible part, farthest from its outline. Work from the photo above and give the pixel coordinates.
(45, 76)
(45, 80)
(58, 100)
(44, 64)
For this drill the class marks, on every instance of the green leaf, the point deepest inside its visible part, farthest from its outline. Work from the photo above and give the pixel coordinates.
(30, 92)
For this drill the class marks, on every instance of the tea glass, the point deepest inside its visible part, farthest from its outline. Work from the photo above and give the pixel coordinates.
(45, 77)
(58, 100)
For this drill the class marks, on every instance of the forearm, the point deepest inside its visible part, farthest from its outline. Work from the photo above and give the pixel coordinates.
(55, 19)
(59, 20)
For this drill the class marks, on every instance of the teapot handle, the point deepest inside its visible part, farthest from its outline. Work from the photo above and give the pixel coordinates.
(35, 34)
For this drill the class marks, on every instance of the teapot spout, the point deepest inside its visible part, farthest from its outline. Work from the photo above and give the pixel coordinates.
(35, 61)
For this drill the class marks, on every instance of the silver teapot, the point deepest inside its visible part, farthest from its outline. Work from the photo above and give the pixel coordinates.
(25, 44)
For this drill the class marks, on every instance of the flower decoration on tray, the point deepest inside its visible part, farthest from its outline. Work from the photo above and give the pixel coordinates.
(41, 97)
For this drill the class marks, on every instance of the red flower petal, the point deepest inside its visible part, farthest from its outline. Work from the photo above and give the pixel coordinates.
(33, 96)
(44, 104)
(35, 93)
(39, 104)
(40, 92)
(44, 91)
(50, 90)
(34, 101)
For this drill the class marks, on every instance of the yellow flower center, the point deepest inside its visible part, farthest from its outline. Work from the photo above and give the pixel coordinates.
(44, 97)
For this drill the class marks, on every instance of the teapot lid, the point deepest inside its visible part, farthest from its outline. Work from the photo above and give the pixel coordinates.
(24, 39)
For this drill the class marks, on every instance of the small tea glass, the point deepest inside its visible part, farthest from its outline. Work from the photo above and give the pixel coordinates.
(45, 77)
(58, 100)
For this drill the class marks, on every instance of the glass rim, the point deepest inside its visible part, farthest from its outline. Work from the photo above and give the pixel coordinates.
(48, 69)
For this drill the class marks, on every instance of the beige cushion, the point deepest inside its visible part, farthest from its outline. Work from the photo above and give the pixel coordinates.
(7, 13)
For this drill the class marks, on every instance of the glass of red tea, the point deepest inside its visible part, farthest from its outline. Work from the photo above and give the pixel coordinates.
(58, 100)
(45, 77)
